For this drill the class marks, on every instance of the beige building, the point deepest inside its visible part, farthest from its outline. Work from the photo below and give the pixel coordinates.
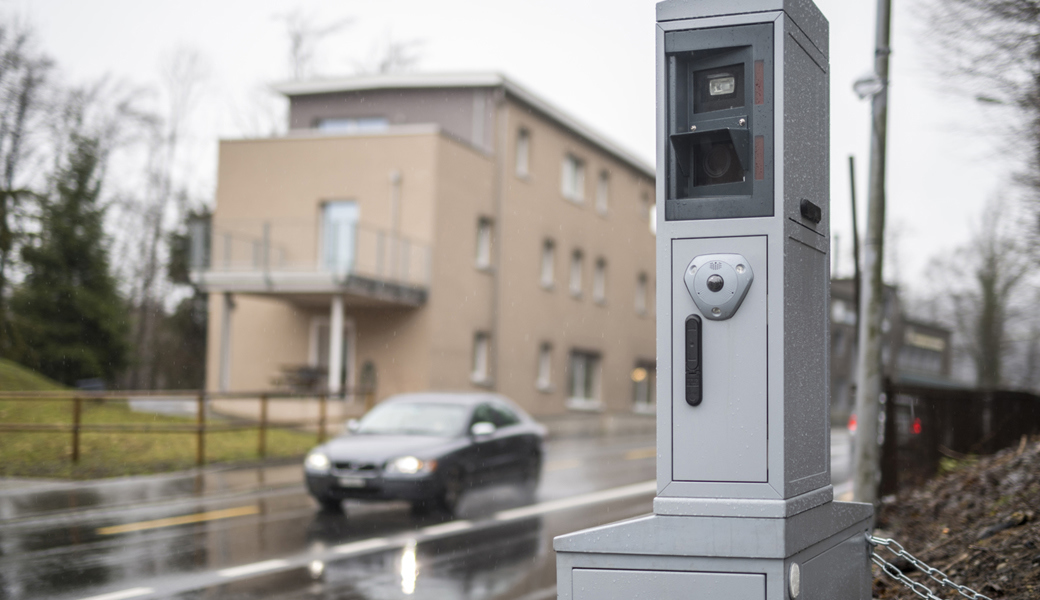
(422, 232)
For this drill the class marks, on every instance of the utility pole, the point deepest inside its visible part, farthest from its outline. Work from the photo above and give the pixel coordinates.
(868, 390)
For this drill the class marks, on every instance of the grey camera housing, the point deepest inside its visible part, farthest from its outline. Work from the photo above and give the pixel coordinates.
(761, 433)
(744, 507)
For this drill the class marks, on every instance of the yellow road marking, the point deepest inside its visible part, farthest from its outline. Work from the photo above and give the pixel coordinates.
(560, 465)
(212, 515)
(641, 453)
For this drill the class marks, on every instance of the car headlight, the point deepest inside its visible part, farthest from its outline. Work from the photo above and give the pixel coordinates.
(410, 465)
(316, 461)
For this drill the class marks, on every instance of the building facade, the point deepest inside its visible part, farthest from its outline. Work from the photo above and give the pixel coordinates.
(912, 351)
(426, 232)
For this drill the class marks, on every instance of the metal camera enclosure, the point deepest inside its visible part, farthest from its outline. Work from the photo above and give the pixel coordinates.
(744, 506)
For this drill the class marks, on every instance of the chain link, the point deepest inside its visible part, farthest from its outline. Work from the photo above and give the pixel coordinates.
(918, 588)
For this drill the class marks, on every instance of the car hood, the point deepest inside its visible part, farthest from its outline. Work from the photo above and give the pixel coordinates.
(381, 448)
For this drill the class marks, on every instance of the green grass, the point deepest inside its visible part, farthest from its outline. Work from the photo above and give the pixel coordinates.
(109, 454)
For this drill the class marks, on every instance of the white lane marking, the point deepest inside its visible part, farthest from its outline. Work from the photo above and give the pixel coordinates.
(249, 569)
(362, 546)
(637, 489)
(130, 593)
(446, 528)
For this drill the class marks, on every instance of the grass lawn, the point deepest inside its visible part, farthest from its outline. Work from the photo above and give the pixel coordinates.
(109, 454)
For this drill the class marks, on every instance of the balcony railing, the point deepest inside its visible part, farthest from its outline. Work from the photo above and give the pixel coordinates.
(287, 246)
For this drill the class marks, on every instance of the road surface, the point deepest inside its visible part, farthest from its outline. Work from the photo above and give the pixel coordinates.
(254, 533)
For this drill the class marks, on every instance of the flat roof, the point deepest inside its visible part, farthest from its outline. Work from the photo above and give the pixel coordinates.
(465, 80)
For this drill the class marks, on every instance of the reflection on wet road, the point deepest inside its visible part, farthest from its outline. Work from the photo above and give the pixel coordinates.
(258, 535)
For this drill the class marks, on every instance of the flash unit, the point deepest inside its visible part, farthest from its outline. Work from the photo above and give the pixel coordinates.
(722, 85)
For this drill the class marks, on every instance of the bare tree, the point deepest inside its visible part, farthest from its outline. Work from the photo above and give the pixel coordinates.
(304, 35)
(391, 56)
(986, 291)
(164, 198)
(991, 49)
(23, 76)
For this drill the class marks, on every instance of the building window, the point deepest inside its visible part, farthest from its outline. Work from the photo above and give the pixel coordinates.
(351, 125)
(481, 348)
(649, 211)
(642, 285)
(483, 259)
(599, 281)
(584, 381)
(576, 260)
(523, 153)
(603, 192)
(339, 234)
(548, 264)
(644, 387)
(573, 184)
(544, 380)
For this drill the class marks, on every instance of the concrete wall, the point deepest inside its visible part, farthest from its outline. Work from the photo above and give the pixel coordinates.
(462, 113)
(285, 181)
(534, 209)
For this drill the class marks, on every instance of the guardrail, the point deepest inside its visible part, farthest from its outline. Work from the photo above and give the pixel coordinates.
(359, 402)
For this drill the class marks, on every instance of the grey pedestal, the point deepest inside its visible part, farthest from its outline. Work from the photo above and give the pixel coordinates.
(721, 558)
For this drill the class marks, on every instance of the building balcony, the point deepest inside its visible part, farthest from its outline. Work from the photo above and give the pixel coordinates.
(302, 259)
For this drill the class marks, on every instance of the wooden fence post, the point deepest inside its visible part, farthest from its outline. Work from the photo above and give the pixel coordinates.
(77, 418)
(262, 441)
(200, 431)
(321, 417)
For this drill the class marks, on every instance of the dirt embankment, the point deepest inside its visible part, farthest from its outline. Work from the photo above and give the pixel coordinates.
(979, 523)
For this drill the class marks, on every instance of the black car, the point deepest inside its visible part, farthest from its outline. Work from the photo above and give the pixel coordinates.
(428, 449)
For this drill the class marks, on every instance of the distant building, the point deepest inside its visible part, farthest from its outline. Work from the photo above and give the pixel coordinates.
(433, 232)
(912, 351)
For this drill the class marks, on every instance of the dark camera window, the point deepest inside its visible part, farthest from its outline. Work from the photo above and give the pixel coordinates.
(718, 89)
(715, 160)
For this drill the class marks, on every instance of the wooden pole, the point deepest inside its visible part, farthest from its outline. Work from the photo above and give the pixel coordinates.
(77, 418)
(322, 402)
(262, 438)
(870, 371)
(200, 430)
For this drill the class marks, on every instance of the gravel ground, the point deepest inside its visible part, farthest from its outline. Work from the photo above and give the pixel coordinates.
(979, 523)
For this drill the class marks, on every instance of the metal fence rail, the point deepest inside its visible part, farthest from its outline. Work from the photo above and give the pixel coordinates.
(923, 424)
(359, 401)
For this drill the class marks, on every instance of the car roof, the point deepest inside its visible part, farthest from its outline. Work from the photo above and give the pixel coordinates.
(461, 398)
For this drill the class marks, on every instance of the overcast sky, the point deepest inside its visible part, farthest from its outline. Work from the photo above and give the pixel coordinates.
(593, 59)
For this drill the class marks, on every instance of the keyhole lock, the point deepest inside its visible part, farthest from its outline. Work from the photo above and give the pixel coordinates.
(718, 284)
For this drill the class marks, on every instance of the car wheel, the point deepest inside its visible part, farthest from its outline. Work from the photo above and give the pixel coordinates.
(330, 505)
(451, 494)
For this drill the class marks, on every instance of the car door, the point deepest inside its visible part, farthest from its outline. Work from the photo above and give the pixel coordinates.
(486, 449)
(512, 443)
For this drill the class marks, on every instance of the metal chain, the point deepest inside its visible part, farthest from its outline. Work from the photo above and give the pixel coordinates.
(918, 588)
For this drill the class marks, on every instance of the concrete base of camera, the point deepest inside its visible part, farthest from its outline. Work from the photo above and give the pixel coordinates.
(820, 553)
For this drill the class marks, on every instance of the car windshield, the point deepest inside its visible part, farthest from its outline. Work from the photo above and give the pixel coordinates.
(399, 418)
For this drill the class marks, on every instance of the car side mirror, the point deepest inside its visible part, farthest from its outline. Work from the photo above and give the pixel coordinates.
(481, 429)
(353, 425)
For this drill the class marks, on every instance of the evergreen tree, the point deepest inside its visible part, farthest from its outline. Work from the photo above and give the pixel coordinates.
(68, 312)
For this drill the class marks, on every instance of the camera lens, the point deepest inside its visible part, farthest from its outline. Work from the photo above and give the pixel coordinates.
(718, 161)
(715, 283)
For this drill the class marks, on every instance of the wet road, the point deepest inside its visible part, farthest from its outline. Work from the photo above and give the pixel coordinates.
(255, 533)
